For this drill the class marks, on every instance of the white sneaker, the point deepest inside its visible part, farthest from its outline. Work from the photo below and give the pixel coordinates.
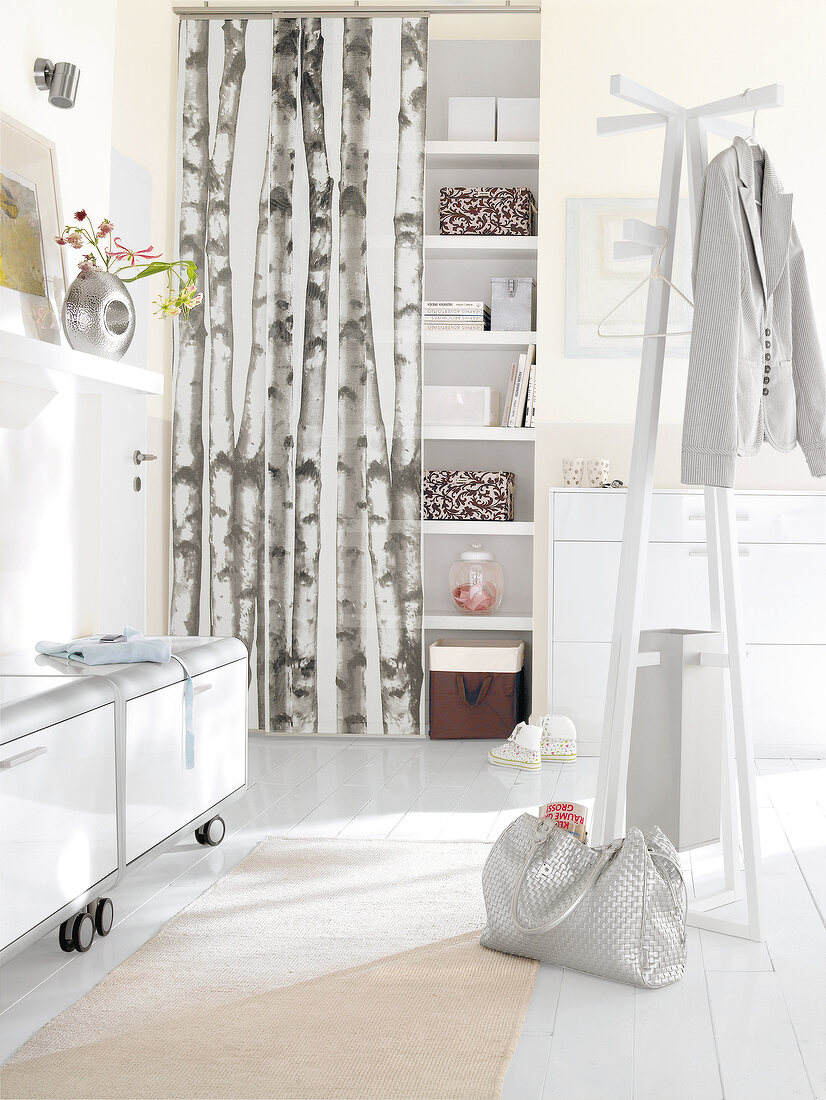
(521, 750)
(558, 738)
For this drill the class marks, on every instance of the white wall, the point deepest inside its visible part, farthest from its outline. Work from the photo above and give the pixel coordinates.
(691, 53)
(49, 468)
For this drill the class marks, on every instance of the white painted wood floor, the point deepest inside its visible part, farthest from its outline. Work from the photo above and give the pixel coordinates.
(748, 1022)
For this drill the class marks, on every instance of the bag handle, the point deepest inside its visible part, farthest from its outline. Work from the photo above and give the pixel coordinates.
(484, 688)
(606, 855)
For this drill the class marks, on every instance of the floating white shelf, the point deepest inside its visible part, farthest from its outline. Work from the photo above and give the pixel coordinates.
(484, 154)
(470, 341)
(457, 621)
(476, 527)
(480, 248)
(25, 361)
(459, 432)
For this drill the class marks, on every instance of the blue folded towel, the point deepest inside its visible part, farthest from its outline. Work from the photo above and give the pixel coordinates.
(131, 647)
(100, 649)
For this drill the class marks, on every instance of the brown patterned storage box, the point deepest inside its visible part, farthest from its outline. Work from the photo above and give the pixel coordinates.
(476, 688)
(468, 494)
(487, 211)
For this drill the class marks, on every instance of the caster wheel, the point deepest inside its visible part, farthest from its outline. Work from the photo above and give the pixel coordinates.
(83, 932)
(64, 936)
(214, 832)
(104, 916)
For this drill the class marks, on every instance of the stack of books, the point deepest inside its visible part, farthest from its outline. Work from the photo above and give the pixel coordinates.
(519, 408)
(456, 317)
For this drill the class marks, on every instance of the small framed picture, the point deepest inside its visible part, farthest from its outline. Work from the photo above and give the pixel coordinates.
(32, 267)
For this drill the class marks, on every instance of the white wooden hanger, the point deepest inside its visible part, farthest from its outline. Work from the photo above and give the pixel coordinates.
(752, 139)
(656, 273)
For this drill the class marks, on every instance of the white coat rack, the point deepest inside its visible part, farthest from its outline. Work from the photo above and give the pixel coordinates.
(684, 128)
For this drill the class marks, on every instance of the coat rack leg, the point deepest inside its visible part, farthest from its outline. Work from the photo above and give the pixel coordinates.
(609, 805)
(743, 749)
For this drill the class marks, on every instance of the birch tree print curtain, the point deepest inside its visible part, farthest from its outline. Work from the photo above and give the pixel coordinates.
(296, 449)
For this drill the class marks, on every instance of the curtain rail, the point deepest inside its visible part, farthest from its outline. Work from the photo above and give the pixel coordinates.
(192, 11)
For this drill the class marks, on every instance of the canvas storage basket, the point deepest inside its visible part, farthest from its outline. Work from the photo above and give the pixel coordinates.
(487, 211)
(475, 688)
(468, 494)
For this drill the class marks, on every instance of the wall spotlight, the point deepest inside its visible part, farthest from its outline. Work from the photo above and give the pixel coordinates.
(60, 81)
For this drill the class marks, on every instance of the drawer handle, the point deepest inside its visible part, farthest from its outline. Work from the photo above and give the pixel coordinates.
(699, 517)
(202, 687)
(22, 757)
(744, 553)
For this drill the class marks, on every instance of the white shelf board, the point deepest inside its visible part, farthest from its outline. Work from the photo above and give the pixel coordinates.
(485, 154)
(457, 621)
(470, 341)
(460, 432)
(476, 527)
(479, 248)
(25, 361)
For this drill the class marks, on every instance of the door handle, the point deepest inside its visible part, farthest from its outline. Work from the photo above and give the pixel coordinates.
(199, 688)
(138, 457)
(704, 553)
(699, 517)
(22, 757)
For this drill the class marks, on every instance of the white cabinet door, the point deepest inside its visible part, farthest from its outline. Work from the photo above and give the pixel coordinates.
(784, 594)
(579, 679)
(787, 696)
(58, 830)
(585, 586)
(162, 793)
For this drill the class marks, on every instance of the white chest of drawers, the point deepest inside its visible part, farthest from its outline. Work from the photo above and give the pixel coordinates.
(782, 540)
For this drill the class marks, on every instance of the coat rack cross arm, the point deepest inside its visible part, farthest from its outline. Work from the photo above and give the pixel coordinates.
(754, 99)
(623, 88)
(609, 125)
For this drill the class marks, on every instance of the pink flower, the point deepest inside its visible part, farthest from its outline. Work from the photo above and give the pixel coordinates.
(122, 253)
(75, 240)
(85, 266)
(80, 215)
(60, 240)
(105, 228)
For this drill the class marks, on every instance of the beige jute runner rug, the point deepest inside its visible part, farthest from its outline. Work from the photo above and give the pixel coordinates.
(315, 970)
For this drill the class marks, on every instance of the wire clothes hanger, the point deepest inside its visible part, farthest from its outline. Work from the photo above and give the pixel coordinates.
(655, 274)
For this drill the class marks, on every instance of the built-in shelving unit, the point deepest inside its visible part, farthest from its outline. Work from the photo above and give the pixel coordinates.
(460, 268)
(477, 528)
(488, 435)
(479, 248)
(25, 361)
(476, 341)
(449, 620)
(487, 154)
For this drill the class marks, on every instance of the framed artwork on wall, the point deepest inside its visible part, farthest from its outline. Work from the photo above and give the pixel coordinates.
(595, 281)
(32, 269)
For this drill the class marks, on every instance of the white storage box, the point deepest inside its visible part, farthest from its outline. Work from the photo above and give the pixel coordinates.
(58, 819)
(480, 655)
(512, 304)
(517, 120)
(471, 118)
(471, 406)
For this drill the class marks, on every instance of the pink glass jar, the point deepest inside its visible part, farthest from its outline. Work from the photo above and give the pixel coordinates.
(477, 582)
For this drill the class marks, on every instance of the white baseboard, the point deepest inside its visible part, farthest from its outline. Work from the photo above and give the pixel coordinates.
(763, 750)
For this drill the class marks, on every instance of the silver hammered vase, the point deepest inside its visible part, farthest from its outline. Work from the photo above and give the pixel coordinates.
(99, 315)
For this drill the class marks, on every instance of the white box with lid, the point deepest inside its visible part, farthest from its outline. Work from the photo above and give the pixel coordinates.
(469, 406)
(471, 118)
(517, 119)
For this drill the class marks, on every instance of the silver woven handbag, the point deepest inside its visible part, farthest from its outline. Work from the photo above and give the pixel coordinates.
(617, 911)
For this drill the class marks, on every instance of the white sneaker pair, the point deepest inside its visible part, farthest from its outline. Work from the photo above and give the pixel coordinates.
(553, 738)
